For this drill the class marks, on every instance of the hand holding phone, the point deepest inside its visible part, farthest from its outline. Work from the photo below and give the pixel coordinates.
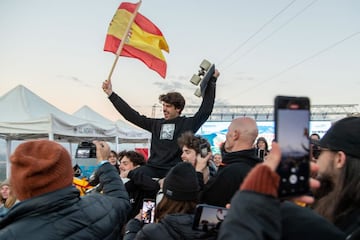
(292, 120)
(148, 211)
(208, 217)
(203, 150)
(273, 161)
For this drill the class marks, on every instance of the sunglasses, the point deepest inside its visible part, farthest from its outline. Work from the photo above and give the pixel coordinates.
(316, 151)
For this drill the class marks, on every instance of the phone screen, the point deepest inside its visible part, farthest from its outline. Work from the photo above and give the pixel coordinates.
(203, 150)
(86, 150)
(148, 211)
(292, 119)
(208, 217)
(261, 153)
(83, 153)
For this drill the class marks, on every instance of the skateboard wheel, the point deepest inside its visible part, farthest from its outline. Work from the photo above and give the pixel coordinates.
(205, 64)
(197, 92)
(195, 79)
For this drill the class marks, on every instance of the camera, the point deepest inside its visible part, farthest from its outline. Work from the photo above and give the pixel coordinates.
(86, 150)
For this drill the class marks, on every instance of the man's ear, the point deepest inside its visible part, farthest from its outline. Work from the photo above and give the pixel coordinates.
(340, 159)
(236, 134)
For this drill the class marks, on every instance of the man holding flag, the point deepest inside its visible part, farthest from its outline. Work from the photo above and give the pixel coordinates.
(143, 40)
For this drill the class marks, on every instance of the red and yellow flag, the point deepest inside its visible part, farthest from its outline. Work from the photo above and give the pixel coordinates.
(144, 41)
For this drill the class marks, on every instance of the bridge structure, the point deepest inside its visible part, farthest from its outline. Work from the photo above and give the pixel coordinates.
(225, 113)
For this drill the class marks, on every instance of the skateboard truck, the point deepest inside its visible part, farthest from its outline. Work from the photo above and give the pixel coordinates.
(205, 73)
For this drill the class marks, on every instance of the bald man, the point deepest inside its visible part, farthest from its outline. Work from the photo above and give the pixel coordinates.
(239, 157)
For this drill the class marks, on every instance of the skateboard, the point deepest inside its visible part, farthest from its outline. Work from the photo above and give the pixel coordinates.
(205, 73)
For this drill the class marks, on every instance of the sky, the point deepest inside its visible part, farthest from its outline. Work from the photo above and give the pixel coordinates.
(261, 48)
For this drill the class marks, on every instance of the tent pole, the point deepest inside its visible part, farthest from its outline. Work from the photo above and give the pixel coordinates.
(8, 152)
(117, 144)
(51, 136)
(70, 148)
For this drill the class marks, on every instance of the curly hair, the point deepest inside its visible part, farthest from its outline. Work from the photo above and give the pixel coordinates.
(135, 157)
(192, 141)
(173, 98)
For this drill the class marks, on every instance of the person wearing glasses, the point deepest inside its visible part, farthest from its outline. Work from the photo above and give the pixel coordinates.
(338, 160)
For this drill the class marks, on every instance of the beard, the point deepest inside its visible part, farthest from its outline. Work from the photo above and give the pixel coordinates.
(326, 186)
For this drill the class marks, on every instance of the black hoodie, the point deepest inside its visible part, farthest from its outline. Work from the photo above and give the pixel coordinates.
(235, 166)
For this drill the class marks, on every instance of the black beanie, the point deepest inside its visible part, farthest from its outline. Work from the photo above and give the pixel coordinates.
(181, 183)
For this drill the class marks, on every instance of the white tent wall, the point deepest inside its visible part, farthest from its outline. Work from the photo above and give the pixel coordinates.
(130, 137)
(24, 115)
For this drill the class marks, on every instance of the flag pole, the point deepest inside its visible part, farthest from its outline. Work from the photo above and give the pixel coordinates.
(122, 43)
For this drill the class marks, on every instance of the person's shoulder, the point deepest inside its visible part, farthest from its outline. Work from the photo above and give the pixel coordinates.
(306, 219)
(236, 166)
(8, 233)
(155, 231)
(96, 200)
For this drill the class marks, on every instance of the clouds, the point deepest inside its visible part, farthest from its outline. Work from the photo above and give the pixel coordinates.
(76, 80)
(175, 84)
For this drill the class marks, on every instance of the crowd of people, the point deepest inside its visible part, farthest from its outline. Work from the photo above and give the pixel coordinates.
(40, 201)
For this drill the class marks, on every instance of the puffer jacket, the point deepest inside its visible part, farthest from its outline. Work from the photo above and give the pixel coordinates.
(63, 214)
(172, 226)
(258, 216)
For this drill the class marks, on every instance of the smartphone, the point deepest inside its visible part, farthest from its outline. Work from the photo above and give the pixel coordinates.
(208, 217)
(261, 153)
(148, 210)
(203, 150)
(292, 121)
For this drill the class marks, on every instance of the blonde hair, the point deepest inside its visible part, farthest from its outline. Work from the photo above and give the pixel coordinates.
(10, 201)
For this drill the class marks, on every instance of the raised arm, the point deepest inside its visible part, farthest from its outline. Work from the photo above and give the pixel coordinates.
(207, 103)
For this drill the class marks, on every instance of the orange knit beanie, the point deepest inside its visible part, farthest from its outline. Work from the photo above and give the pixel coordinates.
(39, 167)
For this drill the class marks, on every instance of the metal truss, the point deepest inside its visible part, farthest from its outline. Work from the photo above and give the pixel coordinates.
(265, 112)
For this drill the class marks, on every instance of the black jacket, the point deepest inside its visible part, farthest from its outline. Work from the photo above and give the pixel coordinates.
(172, 226)
(257, 216)
(140, 186)
(235, 166)
(350, 222)
(164, 151)
(63, 214)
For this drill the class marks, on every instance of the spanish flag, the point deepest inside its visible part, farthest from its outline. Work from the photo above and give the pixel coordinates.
(144, 41)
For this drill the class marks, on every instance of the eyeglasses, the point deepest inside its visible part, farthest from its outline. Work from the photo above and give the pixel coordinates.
(316, 151)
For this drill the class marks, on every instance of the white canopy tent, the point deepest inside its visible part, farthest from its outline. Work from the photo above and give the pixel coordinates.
(133, 134)
(24, 115)
(127, 132)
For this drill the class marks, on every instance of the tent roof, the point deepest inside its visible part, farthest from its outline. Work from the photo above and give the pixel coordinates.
(128, 132)
(22, 104)
(85, 112)
(25, 115)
